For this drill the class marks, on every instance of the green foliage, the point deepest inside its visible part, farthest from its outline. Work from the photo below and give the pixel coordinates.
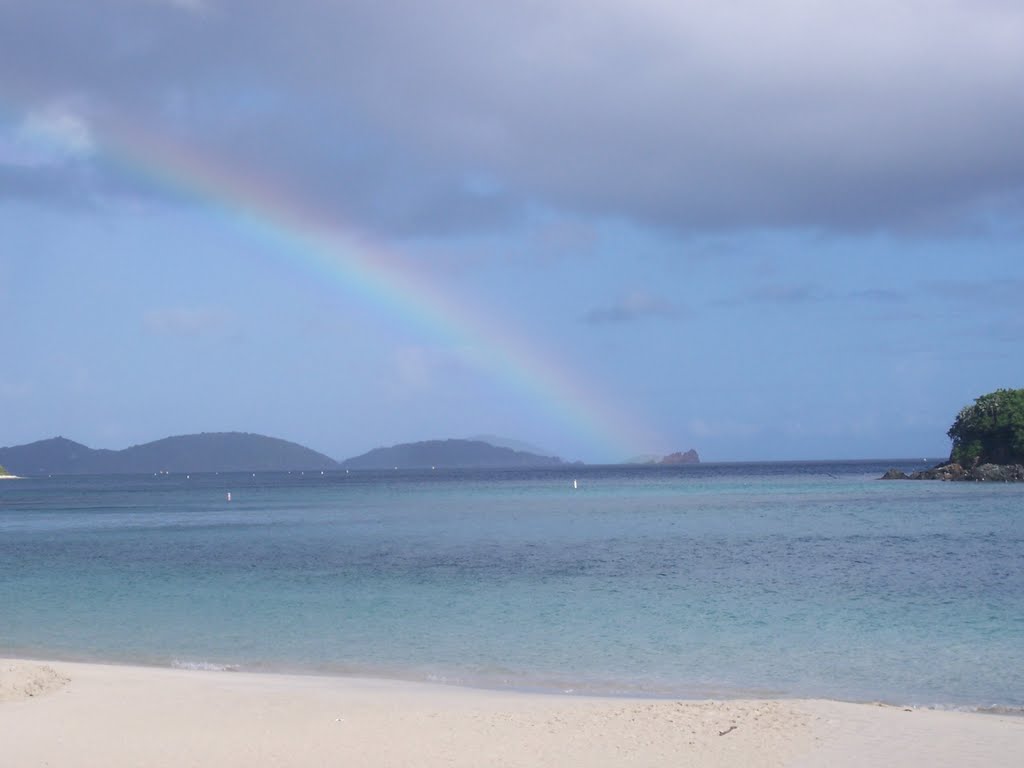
(3, 471)
(991, 430)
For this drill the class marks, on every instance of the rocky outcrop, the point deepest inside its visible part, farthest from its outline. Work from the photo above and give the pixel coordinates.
(996, 473)
(673, 459)
(983, 473)
(895, 474)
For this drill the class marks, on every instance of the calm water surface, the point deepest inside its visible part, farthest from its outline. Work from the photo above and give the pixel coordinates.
(795, 579)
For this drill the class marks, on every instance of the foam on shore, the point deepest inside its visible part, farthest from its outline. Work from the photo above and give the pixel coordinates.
(26, 680)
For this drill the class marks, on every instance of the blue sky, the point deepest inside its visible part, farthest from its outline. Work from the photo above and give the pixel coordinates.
(764, 235)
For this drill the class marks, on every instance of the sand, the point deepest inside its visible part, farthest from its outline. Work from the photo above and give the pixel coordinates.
(63, 714)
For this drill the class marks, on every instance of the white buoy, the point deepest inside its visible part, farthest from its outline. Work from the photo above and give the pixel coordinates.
(575, 485)
(229, 495)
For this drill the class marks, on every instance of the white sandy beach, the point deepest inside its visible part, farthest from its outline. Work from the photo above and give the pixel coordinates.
(65, 714)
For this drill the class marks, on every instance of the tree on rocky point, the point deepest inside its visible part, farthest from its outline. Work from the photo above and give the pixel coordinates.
(991, 431)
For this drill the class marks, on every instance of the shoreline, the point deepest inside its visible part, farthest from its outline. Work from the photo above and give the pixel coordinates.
(84, 714)
(604, 690)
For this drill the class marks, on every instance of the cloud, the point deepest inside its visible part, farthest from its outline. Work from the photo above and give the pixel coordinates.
(56, 133)
(993, 293)
(852, 116)
(15, 388)
(1009, 331)
(45, 156)
(877, 295)
(789, 294)
(189, 5)
(45, 138)
(67, 185)
(803, 293)
(703, 428)
(632, 307)
(188, 321)
(415, 367)
(418, 368)
(51, 156)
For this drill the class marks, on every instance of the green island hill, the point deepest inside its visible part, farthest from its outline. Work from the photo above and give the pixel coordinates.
(247, 452)
(988, 442)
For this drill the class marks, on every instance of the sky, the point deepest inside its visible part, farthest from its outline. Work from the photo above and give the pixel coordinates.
(766, 231)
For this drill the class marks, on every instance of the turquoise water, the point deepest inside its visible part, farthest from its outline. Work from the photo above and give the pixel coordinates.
(710, 580)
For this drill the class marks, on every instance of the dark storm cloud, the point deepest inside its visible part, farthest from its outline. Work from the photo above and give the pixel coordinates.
(842, 115)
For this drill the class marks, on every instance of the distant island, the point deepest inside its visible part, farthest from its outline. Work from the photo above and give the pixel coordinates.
(506, 442)
(245, 452)
(206, 452)
(448, 454)
(988, 442)
(686, 457)
(672, 459)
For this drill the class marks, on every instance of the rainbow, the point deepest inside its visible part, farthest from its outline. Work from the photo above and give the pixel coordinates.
(318, 243)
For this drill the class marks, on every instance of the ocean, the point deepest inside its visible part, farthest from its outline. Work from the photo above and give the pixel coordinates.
(712, 580)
